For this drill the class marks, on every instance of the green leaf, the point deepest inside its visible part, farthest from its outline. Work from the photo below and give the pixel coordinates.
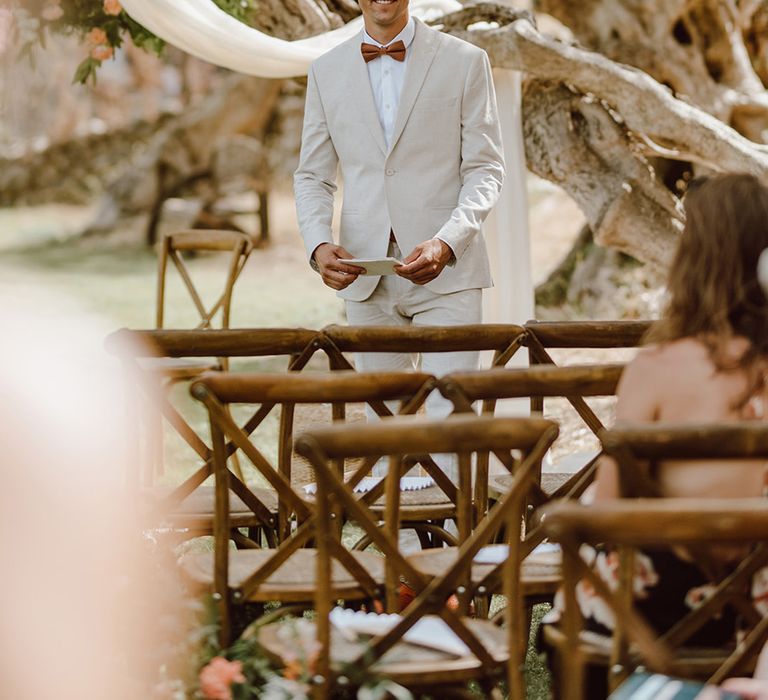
(86, 70)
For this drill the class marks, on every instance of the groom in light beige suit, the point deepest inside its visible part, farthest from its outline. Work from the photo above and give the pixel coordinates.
(409, 115)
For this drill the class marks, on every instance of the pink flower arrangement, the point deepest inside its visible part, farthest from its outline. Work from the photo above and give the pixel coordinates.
(102, 52)
(112, 7)
(97, 36)
(217, 677)
(52, 12)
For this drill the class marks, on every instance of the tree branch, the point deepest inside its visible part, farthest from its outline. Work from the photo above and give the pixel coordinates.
(644, 105)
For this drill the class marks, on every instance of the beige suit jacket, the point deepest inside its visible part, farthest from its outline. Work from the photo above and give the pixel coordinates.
(440, 177)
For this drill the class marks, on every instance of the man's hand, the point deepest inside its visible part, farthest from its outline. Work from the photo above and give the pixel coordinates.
(426, 261)
(335, 274)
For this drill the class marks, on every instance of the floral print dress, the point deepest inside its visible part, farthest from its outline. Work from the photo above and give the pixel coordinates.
(666, 588)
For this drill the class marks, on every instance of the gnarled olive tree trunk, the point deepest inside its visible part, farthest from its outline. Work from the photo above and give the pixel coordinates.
(646, 90)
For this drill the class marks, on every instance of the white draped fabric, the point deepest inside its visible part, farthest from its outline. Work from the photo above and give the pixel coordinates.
(202, 29)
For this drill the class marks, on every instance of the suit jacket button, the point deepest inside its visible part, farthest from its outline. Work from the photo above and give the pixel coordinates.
(389, 171)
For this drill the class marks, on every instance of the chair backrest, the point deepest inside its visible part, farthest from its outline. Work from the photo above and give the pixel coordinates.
(573, 383)
(225, 395)
(299, 346)
(239, 247)
(628, 525)
(401, 438)
(636, 447)
(151, 404)
(547, 335)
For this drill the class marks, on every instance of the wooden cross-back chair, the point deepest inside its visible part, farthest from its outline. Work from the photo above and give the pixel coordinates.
(404, 440)
(630, 525)
(544, 336)
(287, 573)
(235, 247)
(574, 383)
(189, 506)
(238, 245)
(635, 449)
(263, 392)
(539, 572)
(541, 338)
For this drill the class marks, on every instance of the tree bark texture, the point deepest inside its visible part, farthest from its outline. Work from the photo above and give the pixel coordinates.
(645, 85)
(697, 48)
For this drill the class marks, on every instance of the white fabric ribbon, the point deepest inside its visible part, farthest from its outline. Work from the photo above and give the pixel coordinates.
(202, 29)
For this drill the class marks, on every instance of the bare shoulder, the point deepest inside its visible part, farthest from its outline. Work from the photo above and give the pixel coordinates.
(670, 358)
(655, 374)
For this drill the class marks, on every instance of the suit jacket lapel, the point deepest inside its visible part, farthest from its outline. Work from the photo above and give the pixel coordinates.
(362, 94)
(423, 50)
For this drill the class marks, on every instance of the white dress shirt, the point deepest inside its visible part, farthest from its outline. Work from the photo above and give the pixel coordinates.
(387, 77)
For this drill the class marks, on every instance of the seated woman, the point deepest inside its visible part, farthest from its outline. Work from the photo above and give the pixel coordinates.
(708, 354)
(705, 361)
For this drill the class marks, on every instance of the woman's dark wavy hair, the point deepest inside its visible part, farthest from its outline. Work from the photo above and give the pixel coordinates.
(713, 289)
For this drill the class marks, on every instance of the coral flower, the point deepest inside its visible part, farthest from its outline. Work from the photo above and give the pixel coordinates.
(112, 7)
(52, 12)
(102, 53)
(97, 36)
(217, 677)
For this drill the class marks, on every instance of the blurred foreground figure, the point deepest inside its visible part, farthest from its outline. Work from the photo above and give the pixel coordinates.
(76, 592)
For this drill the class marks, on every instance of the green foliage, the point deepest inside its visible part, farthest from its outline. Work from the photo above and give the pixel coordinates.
(102, 25)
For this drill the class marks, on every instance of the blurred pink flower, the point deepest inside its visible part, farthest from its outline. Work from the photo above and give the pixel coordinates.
(52, 12)
(112, 7)
(217, 677)
(6, 24)
(97, 36)
(102, 52)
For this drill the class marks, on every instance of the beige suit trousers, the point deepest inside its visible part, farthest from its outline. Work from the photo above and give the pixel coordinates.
(398, 302)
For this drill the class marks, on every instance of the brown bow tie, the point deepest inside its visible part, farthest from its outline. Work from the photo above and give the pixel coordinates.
(371, 51)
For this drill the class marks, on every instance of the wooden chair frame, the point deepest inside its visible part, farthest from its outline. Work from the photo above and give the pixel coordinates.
(633, 447)
(133, 346)
(300, 345)
(537, 382)
(238, 244)
(219, 391)
(686, 522)
(462, 435)
(338, 388)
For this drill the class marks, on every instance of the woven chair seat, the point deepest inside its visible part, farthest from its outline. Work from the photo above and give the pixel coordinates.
(693, 662)
(421, 504)
(499, 484)
(294, 581)
(196, 510)
(405, 663)
(540, 573)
